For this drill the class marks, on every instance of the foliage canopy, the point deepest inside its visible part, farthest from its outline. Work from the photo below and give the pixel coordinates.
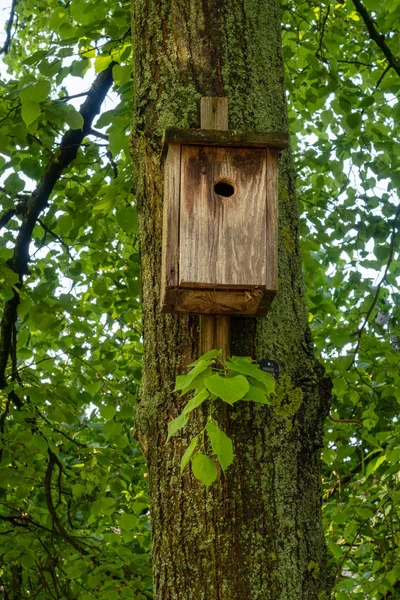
(74, 520)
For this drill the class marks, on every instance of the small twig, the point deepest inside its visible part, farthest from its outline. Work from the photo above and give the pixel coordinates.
(345, 421)
(53, 460)
(66, 98)
(112, 163)
(57, 237)
(382, 76)
(98, 134)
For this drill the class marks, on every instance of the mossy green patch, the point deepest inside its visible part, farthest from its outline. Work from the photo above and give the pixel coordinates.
(288, 400)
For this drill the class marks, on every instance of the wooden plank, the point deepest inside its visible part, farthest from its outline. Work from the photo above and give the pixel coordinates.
(223, 239)
(215, 302)
(170, 239)
(213, 137)
(222, 327)
(272, 220)
(214, 116)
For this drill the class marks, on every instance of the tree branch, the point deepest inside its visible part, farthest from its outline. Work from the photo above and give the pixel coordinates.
(6, 45)
(8, 215)
(377, 37)
(38, 201)
(98, 134)
(53, 460)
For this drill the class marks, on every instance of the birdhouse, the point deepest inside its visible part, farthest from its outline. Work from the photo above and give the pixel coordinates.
(219, 254)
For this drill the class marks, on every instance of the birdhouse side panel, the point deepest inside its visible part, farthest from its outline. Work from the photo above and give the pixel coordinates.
(170, 234)
(272, 219)
(223, 222)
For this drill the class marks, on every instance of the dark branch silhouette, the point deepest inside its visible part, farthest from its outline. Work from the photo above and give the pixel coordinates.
(38, 201)
(377, 37)
(6, 45)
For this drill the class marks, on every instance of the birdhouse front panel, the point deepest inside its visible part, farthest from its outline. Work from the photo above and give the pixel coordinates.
(223, 217)
(220, 222)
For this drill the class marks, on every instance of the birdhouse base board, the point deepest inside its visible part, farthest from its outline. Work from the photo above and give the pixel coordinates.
(251, 303)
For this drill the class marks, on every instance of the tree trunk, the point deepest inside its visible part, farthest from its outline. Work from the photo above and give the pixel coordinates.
(256, 533)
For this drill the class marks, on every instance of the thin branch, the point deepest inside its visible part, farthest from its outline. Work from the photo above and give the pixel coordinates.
(8, 215)
(98, 134)
(355, 62)
(66, 98)
(382, 76)
(6, 45)
(378, 288)
(57, 237)
(377, 37)
(345, 421)
(53, 460)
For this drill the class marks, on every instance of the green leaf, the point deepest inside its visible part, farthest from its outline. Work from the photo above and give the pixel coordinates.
(122, 75)
(189, 452)
(353, 120)
(255, 394)
(177, 424)
(196, 401)
(183, 382)
(40, 443)
(221, 444)
(27, 561)
(127, 219)
(128, 521)
(40, 91)
(107, 412)
(74, 118)
(364, 513)
(104, 206)
(328, 456)
(229, 389)
(207, 356)
(374, 464)
(247, 367)
(101, 63)
(30, 111)
(204, 469)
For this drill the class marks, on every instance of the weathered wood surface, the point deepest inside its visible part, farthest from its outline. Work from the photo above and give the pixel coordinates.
(170, 240)
(213, 114)
(214, 333)
(214, 302)
(212, 137)
(272, 219)
(223, 239)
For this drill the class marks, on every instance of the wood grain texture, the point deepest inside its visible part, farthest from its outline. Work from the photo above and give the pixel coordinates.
(223, 239)
(210, 136)
(214, 113)
(170, 240)
(272, 219)
(214, 333)
(216, 302)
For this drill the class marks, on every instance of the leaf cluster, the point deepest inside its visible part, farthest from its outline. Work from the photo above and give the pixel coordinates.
(234, 379)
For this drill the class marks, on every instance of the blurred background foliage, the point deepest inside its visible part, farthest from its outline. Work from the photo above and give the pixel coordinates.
(74, 518)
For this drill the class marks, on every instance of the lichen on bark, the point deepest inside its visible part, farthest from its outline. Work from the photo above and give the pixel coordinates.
(254, 533)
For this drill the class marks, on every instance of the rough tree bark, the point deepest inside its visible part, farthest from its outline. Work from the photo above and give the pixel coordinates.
(256, 533)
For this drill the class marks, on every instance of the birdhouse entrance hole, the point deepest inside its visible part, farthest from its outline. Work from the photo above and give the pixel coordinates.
(225, 188)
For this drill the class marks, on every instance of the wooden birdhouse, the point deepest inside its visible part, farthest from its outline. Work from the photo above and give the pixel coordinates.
(220, 221)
